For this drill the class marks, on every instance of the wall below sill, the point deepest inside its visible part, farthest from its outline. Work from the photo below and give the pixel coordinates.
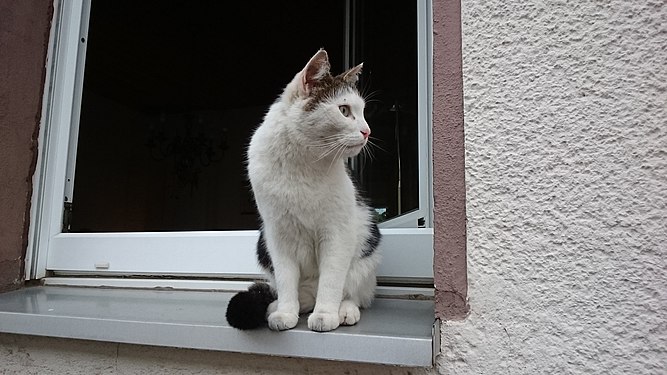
(396, 332)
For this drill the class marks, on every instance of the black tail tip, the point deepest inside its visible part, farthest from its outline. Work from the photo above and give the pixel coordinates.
(247, 310)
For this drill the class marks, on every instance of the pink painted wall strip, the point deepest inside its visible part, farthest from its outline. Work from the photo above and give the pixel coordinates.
(24, 36)
(450, 267)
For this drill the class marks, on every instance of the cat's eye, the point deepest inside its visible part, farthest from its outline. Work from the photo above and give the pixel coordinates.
(345, 110)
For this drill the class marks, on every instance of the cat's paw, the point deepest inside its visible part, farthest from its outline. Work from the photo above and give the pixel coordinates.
(281, 321)
(349, 313)
(273, 306)
(323, 321)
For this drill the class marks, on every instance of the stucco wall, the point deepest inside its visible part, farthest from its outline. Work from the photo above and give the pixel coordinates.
(566, 160)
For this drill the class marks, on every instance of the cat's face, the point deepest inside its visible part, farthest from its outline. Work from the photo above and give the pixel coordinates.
(336, 126)
(331, 110)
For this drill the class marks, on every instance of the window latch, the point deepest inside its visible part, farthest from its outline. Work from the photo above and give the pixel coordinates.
(67, 217)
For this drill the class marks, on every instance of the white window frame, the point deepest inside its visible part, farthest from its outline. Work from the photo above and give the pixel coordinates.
(407, 250)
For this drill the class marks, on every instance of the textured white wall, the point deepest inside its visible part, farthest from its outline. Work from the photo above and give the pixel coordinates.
(31, 355)
(566, 147)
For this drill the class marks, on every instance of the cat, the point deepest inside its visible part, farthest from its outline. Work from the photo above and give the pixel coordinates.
(318, 242)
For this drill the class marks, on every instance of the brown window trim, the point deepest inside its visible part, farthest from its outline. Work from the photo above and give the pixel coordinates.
(24, 40)
(450, 267)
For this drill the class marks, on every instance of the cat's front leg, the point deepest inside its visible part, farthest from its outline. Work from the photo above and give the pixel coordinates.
(284, 312)
(334, 265)
(286, 315)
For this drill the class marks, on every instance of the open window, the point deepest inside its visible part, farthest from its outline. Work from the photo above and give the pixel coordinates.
(152, 104)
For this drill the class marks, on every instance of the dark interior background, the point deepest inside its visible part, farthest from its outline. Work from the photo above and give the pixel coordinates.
(173, 90)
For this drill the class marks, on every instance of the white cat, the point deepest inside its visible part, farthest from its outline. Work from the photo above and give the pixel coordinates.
(318, 241)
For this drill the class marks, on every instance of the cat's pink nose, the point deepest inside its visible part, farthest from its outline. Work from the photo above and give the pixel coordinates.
(366, 133)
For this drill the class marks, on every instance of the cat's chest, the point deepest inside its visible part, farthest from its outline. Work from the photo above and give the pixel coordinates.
(285, 181)
(303, 190)
(308, 195)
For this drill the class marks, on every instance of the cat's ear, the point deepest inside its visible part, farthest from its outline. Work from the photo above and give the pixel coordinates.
(352, 75)
(316, 69)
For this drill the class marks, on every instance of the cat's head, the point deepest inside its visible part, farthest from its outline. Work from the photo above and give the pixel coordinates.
(327, 111)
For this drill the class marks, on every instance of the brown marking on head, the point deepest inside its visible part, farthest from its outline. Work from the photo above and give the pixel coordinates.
(328, 86)
(316, 84)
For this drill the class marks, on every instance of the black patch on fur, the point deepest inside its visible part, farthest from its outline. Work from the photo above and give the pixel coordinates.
(247, 310)
(375, 236)
(372, 242)
(263, 256)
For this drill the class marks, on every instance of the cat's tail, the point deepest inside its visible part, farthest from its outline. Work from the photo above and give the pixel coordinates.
(247, 310)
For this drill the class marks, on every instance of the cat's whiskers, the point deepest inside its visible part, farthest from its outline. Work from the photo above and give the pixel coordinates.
(324, 144)
(328, 143)
(335, 146)
(339, 153)
(372, 101)
(367, 153)
(327, 140)
(364, 91)
(370, 97)
(372, 144)
(328, 152)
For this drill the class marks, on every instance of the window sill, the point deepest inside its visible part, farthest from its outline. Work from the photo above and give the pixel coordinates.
(397, 332)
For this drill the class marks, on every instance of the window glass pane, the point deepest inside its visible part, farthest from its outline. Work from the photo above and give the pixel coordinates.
(173, 90)
(384, 38)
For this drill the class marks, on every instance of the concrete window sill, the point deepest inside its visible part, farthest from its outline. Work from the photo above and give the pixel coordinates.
(393, 331)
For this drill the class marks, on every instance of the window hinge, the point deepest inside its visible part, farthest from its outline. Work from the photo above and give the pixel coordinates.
(67, 216)
(421, 222)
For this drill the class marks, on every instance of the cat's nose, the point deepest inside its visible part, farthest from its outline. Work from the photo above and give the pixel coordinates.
(366, 133)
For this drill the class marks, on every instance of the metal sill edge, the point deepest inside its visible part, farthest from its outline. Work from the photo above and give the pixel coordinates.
(395, 332)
